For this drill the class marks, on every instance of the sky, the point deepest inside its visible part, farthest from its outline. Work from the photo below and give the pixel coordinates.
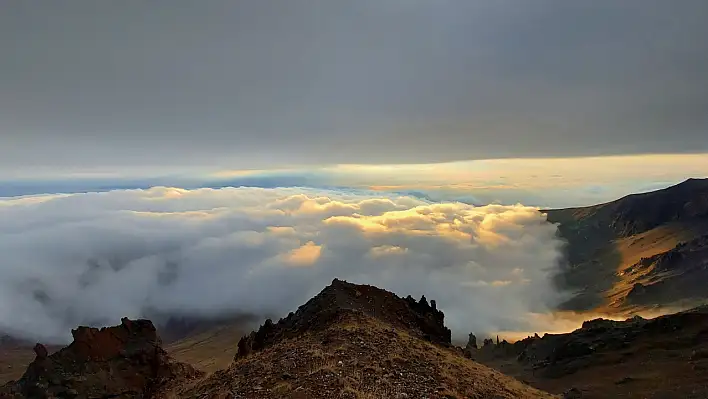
(268, 84)
(184, 157)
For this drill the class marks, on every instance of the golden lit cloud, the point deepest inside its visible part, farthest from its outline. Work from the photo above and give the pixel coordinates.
(228, 247)
(305, 255)
(284, 230)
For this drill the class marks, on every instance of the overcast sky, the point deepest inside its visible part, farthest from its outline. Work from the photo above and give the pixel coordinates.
(265, 83)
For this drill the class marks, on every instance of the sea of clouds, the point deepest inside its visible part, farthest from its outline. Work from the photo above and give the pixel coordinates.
(93, 258)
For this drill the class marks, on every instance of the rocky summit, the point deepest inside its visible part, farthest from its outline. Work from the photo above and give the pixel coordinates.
(420, 318)
(357, 341)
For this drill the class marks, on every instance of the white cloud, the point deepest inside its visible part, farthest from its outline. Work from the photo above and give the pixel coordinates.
(93, 258)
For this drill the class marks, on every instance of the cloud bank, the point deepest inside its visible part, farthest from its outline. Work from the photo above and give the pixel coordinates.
(93, 258)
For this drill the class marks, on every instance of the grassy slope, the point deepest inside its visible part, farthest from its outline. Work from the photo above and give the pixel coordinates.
(208, 351)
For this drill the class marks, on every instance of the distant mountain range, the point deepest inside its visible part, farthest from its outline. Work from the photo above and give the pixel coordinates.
(643, 250)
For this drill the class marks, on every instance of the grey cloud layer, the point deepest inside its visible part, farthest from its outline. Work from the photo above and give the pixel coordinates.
(93, 258)
(187, 84)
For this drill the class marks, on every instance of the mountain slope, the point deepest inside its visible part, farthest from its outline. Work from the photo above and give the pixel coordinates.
(607, 242)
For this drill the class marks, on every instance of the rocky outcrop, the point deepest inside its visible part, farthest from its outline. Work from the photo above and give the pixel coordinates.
(418, 317)
(471, 342)
(125, 361)
(556, 355)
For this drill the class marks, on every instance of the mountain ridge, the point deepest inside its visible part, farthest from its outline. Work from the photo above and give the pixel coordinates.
(607, 241)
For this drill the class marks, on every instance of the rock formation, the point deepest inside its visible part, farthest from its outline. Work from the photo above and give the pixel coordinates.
(122, 361)
(471, 342)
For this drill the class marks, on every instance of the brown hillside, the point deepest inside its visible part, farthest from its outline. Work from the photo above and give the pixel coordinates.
(357, 341)
(606, 243)
(358, 357)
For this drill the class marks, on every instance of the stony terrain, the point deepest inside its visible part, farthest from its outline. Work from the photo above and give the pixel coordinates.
(350, 341)
(360, 357)
(664, 357)
(357, 341)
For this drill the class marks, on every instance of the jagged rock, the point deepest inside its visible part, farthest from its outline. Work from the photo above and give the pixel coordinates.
(40, 351)
(471, 342)
(125, 361)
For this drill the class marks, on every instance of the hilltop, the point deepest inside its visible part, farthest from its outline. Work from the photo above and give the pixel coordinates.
(637, 252)
(349, 341)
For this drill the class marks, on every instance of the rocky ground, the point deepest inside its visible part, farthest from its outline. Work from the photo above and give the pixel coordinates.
(665, 357)
(359, 357)
(354, 341)
(350, 341)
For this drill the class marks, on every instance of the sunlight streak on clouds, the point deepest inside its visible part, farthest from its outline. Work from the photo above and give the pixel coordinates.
(93, 258)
